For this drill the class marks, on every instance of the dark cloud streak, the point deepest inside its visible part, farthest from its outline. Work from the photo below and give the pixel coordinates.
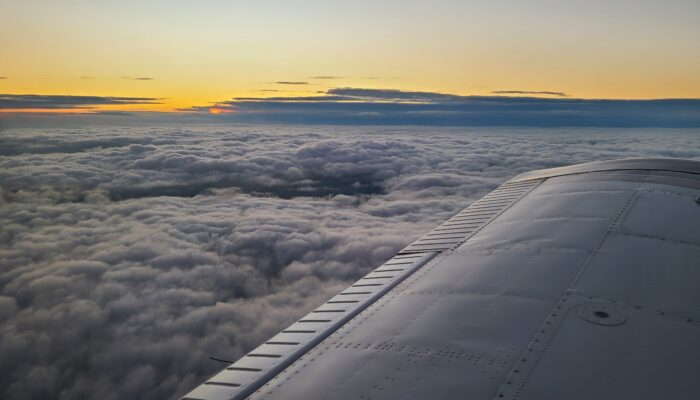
(531, 92)
(361, 106)
(34, 101)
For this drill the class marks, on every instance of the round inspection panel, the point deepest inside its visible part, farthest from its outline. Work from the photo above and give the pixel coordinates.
(602, 314)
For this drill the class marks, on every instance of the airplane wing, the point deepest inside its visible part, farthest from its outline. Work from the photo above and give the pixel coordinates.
(580, 282)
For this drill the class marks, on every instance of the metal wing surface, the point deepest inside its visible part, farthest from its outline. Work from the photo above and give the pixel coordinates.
(580, 282)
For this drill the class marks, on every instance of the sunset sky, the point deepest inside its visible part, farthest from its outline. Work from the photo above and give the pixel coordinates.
(181, 54)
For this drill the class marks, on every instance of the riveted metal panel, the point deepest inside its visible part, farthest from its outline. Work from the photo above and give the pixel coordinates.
(641, 354)
(653, 258)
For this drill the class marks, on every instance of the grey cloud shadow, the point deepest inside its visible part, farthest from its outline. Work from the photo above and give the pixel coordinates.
(349, 185)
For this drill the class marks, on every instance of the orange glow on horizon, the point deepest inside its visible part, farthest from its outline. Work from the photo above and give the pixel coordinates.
(216, 110)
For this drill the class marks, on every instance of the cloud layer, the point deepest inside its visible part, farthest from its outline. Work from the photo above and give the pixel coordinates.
(129, 256)
(291, 83)
(361, 106)
(358, 106)
(531, 92)
(35, 101)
